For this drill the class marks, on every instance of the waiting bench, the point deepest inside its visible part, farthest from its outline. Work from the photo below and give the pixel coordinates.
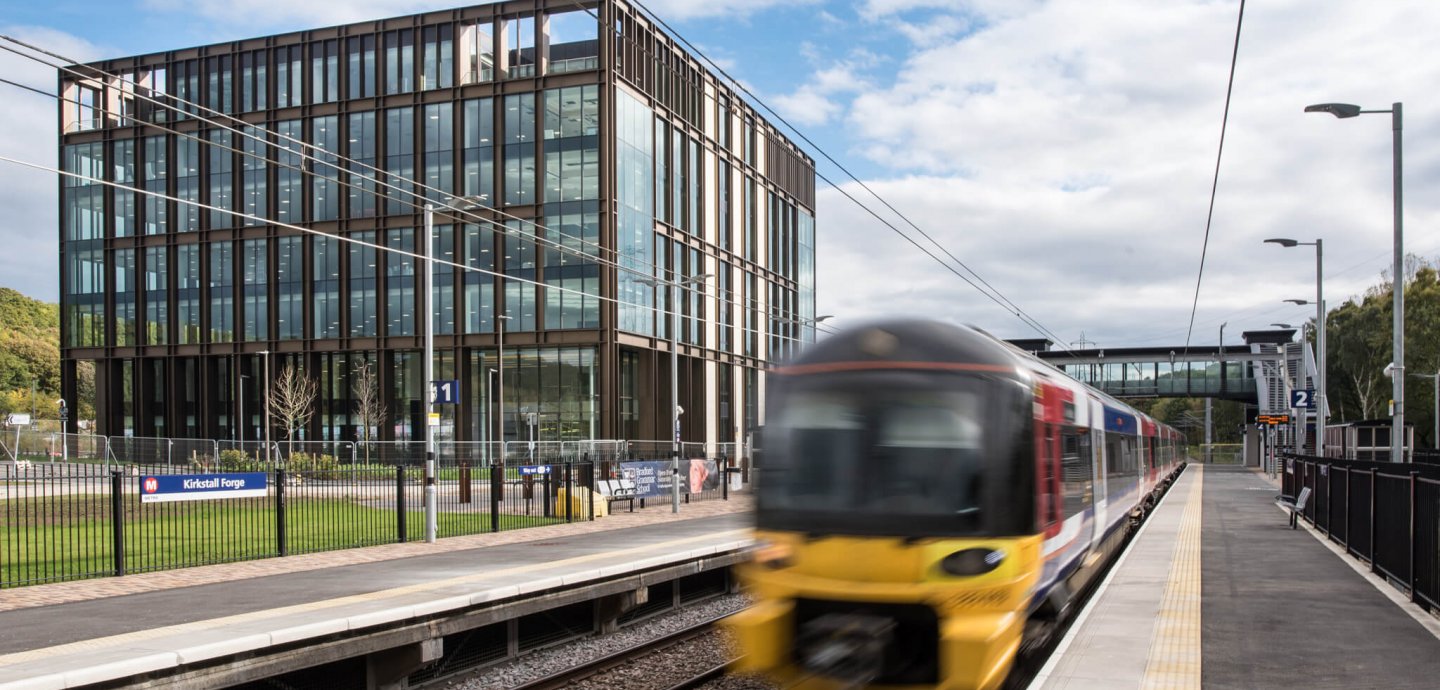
(613, 490)
(1296, 506)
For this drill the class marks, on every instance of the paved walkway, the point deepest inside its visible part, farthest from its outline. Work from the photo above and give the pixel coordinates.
(97, 588)
(1219, 592)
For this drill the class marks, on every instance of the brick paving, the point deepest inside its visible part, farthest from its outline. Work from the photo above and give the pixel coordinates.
(99, 588)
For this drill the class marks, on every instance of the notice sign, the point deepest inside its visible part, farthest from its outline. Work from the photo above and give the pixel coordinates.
(161, 488)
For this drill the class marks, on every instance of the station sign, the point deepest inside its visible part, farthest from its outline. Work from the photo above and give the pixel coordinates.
(164, 488)
(535, 469)
(1303, 398)
(1273, 419)
(445, 392)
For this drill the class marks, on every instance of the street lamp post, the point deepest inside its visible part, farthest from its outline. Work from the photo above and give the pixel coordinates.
(1397, 432)
(500, 320)
(428, 365)
(675, 409)
(1321, 403)
(240, 427)
(266, 353)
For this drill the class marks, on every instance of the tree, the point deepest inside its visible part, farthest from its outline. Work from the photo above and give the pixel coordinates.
(291, 401)
(1359, 336)
(369, 404)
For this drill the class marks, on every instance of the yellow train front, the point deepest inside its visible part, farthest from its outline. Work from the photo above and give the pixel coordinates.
(900, 532)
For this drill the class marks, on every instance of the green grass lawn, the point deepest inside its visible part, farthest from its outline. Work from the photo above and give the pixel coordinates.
(40, 542)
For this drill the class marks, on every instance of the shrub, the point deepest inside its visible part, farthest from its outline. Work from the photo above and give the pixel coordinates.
(313, 464)
(234, 460)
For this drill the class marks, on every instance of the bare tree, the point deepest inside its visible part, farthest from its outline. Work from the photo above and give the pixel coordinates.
(292, 401)
(369, 404)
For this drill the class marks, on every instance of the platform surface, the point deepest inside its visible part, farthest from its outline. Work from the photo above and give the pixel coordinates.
(73, 633)
(1218, 592)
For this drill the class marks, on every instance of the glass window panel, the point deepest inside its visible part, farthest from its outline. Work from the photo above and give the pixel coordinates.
(125, 298)
(364, 282)
(222, 292)
(520, 149)
(255, 288)
(187, 293)
(361, 190)
(573, 43)
(325, 182)
(400, 159)
(326, 286)
(479, 142)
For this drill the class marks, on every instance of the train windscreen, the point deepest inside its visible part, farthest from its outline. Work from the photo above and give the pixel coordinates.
(926, 455)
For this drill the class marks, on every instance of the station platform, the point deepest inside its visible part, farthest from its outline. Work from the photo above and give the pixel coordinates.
(162, 625)
(1217, 591)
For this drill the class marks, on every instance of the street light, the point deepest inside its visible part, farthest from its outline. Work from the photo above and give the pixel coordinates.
(500, 320)
(1346, 110)
(432, 419)
(266, 353)
(675, 409)
(240, 428)
(1435, 439)
(1321, 401)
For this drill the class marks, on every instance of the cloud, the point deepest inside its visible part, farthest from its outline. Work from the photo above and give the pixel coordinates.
(1066, 152)
(30, 262)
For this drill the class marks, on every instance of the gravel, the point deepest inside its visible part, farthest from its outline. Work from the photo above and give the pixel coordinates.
(659, 670)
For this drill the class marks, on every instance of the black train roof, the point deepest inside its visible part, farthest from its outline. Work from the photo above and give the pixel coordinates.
(908, 340)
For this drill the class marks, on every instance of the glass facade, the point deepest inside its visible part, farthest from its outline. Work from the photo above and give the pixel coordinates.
(585, 251)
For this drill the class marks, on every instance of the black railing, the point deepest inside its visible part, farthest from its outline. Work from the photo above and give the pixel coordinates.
(1385, 514)
(71, 521)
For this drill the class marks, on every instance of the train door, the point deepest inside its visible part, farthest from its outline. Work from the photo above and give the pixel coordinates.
(1097, 447)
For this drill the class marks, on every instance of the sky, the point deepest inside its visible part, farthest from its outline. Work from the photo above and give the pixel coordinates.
(1064, 150)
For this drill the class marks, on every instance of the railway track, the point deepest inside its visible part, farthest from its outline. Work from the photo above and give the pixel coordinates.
(596, 667)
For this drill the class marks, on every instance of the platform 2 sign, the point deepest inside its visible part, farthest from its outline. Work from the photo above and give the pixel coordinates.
(164, 488)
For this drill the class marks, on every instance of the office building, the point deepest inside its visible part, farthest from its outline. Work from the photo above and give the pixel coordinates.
(574, 153)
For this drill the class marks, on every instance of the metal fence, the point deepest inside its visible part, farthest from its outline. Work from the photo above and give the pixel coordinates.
(1386, 514)
(79, 513)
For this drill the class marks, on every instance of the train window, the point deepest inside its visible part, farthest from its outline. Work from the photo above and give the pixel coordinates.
(911, 457)
(1077, 471)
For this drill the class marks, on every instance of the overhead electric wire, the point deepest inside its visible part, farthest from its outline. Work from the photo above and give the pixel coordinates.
(994, 294)
(1215, 181)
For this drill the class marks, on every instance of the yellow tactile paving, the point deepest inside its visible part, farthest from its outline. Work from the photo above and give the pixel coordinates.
(1175, 648)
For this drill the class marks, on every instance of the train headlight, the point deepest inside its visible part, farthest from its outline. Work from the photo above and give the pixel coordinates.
(773, 555)
(971, 562)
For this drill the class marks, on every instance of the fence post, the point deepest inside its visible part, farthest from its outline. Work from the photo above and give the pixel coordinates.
(569, 491)
(280, 512)
(1414, 476)
(117, 521)
(497, 480)
(1374, 479)
(548, 507)
(400, 502)
(589, 483)
(723, 467)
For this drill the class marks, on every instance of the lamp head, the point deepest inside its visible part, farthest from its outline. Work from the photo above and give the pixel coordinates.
(1341, 110)
(1282, 241)
(1298, 302)
(1282, 325)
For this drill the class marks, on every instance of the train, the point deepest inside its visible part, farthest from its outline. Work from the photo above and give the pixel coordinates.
(929, 500)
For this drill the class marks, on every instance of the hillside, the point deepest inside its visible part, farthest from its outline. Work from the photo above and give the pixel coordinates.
(29, 352)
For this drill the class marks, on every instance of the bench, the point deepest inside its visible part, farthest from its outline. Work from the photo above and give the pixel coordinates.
(1295, 505)
(614, 490)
